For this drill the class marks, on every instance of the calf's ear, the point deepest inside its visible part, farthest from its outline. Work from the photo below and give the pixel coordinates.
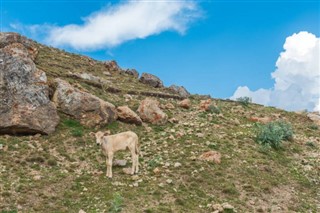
(106, 133)
(92, 134)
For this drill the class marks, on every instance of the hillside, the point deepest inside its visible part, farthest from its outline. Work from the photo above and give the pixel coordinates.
(64, 171)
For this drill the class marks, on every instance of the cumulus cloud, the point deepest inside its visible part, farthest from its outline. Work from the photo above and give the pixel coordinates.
(129, 20)
(297, 77)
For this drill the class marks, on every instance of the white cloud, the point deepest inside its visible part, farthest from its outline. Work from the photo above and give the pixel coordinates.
(129, 20)
(297, 77)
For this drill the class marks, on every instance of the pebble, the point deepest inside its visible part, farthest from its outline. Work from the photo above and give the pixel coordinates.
(169, 181)
(177, 164)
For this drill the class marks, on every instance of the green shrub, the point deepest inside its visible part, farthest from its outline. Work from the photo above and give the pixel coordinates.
(214, 109)
(272, 134)
(313, 127)
(116, 203)
(245, 101)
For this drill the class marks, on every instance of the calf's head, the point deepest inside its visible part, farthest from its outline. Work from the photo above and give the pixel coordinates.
(99, 136)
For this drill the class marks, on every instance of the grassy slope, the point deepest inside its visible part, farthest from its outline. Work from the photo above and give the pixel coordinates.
(64, 172)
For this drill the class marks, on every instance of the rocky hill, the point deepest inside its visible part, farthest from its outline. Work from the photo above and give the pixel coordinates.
(198, 154)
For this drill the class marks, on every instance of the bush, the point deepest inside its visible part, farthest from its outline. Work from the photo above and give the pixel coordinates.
(245, 101)
(214, 109)
(272, 134)
(116, 203)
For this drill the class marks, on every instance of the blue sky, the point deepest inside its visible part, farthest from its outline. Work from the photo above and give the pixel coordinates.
(210, 47)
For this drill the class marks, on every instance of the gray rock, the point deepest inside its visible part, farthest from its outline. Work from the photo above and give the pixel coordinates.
(85, 107)
(132, 72)
(180, 90)
(25, 107)
(151, 80)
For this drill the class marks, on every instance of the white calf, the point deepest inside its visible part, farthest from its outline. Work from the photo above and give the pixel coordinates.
(121, 141)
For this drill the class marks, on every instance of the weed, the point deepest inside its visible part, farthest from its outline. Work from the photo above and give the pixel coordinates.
(244, 101)
(116, 203)
(272, 134)
(214, 109)
(154, 162)
(310, 144)
(313, 127)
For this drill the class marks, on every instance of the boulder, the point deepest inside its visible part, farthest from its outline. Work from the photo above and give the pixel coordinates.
(186, 103)
(125, 114)
(180, 90)
(205, 104)
(12, 38)
(315, 117)
(25, 107)
(85, 107)
(212, 156)
(151, 80)
(132, 72)
(149, 111)
(111, 65)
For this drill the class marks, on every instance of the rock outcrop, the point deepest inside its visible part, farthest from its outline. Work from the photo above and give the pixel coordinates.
(125, 114)
(25, 107)
(111, 65)
(315, 117)
(151, 80)
(205, 104)
(87, 108)
(149, 111)
(180, 90)
(132, 72)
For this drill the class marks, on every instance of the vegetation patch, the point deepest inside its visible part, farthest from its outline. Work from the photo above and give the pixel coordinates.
(274, 133)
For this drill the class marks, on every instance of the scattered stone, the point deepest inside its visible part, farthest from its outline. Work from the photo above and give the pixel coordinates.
(180, 90)
(127, 171)
(200, 135)
(227, 206)
(167, 164)
(186, 103)
(135, 184)
(135, 177)
(149, 111)
(37, 177)
(156, 170)
(89, 109)
(125, 114)
(106, 73)
(81, 211)
(169, 181)
(176, 165)
(263, 120)
(120, 163)
(151, 80)
(167, 106)
(173, 120)
(217, 207)
(212, 156)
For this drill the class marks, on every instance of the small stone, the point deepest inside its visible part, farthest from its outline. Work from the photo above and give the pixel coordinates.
(1, 146)
(156, 170)
(171, 137)
(176, 165)
(200, 135)
(217, 207)
(36, 177)
(120, 163)
(135, 184)
(227, 206)
(167, 164)
(135, 177)
(169, 181)
(161, 185)
(81, 211)
(127, 171)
